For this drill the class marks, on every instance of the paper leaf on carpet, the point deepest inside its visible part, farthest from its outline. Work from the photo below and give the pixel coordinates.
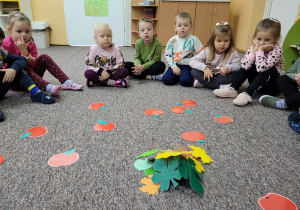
(168, 154)
(154, 112)
(178, 109)
(223, 119)
(63, 160)
(26, 135)
(217, 115)
(142, 164)
(104, 127)
(103, 108)
(37, 131)
(1, 159)
(96, 106)
(149, 187)
(70, 151)
(102, 122)
(274, 201)
(149, 171)
(188, 103)
(187, 111)
(166, 173)
(199, 152)
(193, 136)
(148, 153)
(187, 170)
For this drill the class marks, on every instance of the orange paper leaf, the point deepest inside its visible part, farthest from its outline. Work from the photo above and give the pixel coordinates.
(37, 131)
(149, 187)
(178, 109)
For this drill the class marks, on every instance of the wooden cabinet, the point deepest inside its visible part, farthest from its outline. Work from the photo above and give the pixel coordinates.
(138, 12)
(207, 15)
(244, 16)
(204, 15)
(168, 11)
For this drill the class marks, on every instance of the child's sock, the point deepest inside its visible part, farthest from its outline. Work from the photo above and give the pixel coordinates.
(53, 89)
(157, 77)
(224, 86)
(70, 85)
(33, 89)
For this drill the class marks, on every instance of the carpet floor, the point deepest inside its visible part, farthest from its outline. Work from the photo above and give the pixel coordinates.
(256, 154)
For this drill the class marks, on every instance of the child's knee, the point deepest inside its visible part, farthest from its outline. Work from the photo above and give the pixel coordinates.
(89, 74)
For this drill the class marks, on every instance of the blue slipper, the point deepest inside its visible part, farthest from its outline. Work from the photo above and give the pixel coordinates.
(42, 97)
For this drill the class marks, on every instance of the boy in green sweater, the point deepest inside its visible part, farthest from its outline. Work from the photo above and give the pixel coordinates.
(147, 59)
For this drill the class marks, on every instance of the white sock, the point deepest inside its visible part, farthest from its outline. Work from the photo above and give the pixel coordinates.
(224, 86)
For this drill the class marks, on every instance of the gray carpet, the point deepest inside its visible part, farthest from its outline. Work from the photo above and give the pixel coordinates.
(256, 154)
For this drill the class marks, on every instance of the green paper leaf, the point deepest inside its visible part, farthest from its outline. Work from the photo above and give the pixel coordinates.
(183, 168)
(148, 153)
(142, 164)
(166, 173)
(195, 177)
(149, 171)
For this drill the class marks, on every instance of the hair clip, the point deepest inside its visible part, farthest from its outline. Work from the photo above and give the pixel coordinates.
(222, 23)
(273, 19)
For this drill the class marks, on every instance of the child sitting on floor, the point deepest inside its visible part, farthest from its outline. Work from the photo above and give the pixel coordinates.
(147, 59)
(105, 61)
(216, 65)
(262, 65)
(20, 43)
(179, 51)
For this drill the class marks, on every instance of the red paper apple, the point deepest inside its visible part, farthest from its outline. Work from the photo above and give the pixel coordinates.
(1, 159)
(273, 201)
(223, 119)
(37, 131)
(96, 106)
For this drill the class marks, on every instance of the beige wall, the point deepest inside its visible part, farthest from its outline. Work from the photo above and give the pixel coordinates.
(51, 11)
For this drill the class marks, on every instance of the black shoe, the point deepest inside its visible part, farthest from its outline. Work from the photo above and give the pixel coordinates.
(42, 98)
(1, 116)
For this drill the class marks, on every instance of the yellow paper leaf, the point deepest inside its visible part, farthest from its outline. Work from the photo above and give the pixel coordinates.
(171, 153)
(198, 166)
(149, 187)
(199, 152)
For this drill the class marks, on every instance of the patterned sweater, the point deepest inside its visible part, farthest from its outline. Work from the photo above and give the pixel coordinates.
(179, 51)
(199, 61)
(264, 61)
(109, 59)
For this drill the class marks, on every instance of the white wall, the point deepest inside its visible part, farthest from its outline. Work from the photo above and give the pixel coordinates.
(286, 13)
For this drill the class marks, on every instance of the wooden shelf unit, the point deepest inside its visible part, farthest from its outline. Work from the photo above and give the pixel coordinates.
(137, 12)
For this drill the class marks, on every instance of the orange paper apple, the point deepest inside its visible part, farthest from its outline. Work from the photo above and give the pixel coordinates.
(178, 109)
(188, 103)
(223, 119)
(63, 160)
(1, 159)
(154, 112)
(273, 201)
(104, 127)
(193, 136)
(37, 131)
(96, 106)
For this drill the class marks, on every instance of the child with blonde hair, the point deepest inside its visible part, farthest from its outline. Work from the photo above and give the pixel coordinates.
(179, 50)
(105, 61)
(262, 64)
(21, 43)
(216, 65)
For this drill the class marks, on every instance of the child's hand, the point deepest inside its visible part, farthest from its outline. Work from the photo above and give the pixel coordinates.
(297, 78)
(9, 75)
(256, 46)
(20, 43)
(30, 58)
(208, 74)
(138, 69)
(266, 48)
(176, 70)
(104, 75)
(224, 70)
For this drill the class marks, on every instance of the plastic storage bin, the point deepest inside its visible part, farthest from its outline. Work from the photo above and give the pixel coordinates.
(40, 34)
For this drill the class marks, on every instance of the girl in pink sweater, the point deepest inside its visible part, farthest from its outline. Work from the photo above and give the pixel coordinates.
(20, 43)
(105, 63)
(262, 65)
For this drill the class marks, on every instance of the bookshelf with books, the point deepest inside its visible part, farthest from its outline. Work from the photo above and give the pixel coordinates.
(139, 11)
